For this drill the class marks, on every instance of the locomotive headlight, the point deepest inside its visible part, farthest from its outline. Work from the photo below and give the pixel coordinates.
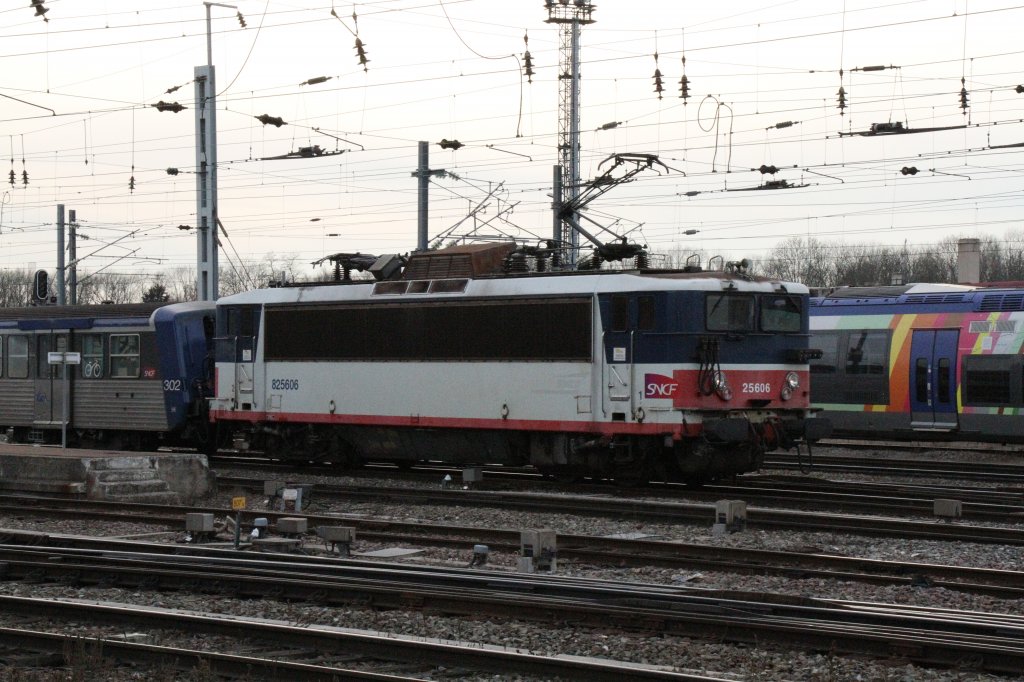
(791, 383)
(722, 386)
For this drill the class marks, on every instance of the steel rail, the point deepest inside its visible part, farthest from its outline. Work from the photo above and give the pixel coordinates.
(932, 636)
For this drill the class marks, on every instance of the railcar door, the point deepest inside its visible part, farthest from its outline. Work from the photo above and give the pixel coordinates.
(933, 379)
(617, 353)
(241, 336)
(49, 384)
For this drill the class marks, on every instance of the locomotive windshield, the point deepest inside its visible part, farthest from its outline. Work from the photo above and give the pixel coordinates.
(730, 312)
(781, 314)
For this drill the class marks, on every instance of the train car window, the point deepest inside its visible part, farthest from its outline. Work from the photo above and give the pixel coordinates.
(781, 314)
(620, 313)
(453, 331)
(990, 380)
(866, 353)
(1, 356)
(828, 342)
(448, 286)
(729, 312)
(389, 288)
(92, 356)
(944, 383)
(921, 379)
(124, 356)
(646, 319)
(419, 286)
(17, 357)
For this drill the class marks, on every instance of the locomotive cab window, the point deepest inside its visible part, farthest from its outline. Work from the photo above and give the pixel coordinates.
(92, 356)
(781, 314)
(620, 313)
(646, 318)
(17, 357)
(124, 356)
(729, 312)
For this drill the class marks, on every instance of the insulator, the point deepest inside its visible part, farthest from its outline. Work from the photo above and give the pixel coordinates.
(768, 169)
(1019, 89)
(267, 119)
(24, 177)
(542, 263)
(528, 61)
(131, 184)
(361, 52)
(909, 170)
(657, 83)
(337, 271)
(642, 261)
(346, 272)
(963, 99)
(517, 263)
(11, 176)
(842, 98)
(241, 20)
(684, 88)
(172, 171)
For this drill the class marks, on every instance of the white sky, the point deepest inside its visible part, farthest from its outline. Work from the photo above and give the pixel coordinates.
(100, 64)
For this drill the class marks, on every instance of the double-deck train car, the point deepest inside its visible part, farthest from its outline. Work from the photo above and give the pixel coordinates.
(141, 374)
(627, 375)
(920, 362)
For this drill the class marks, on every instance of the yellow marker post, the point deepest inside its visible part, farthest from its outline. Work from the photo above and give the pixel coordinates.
(238, 504)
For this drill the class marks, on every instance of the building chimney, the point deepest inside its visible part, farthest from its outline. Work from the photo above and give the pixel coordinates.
(968, 261)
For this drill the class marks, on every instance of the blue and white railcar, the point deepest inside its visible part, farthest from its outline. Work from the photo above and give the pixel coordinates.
(621, 374)
(134, 374)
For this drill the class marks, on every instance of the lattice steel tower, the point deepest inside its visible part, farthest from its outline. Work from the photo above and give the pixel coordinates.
(571, 14)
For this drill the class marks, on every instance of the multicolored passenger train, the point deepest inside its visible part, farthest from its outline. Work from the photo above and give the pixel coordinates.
(920, 362)
(448, 356)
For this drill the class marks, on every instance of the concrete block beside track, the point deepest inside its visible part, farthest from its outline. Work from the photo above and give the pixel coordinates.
(157, 477)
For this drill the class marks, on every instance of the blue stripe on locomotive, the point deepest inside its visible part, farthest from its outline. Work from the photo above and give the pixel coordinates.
(679, 325)
(183, 338)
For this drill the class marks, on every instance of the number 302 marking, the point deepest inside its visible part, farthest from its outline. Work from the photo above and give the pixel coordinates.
(172, 384)
(749, 387)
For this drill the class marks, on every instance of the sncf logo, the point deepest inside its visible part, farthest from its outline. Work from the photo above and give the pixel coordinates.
(659, 386)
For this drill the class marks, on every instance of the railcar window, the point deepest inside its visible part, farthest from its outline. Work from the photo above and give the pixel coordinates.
(865, 353)
(92, 356)
(646, 320)
(17, 357)
(620, 313)
(730, 313)
(989, 379)
(944, 383)
(124, 356)
(828, 343)
(1, 356)
(781, 314)
(454, 331)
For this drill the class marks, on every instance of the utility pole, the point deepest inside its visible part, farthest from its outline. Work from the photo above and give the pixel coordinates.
(423, 172)
(571, 15)
(72, 258)
(206, 170)
(60, 254)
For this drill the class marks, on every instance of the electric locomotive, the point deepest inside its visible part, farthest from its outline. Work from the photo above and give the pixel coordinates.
(624, 374)
(920, 362)
(124, 377)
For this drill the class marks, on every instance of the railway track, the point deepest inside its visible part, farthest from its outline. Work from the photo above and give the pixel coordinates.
(990, 642)
(1003, 474)
(609, 551)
